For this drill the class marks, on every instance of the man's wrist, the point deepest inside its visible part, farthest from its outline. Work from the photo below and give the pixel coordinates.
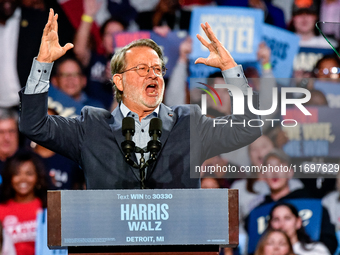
(228, 66)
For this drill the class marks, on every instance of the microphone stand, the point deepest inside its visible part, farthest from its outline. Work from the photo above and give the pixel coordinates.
(153, 147)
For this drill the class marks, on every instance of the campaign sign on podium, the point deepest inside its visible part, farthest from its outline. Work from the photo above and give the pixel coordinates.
(143, 217)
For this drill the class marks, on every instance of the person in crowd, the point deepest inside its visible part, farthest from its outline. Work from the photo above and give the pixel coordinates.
(63, 172)
(272, 15)
(257, 151)
(209, 181)
(328, 68)
(251, 190)
(332, 203)
(35, 4)
(329, 13)
(280, 190)
(140, 87)
(217, 163)
(6, 244)
(317, 98)
(97, 64)
(178, 79)
(71, 80)
(164, 14)
(303, 24)
(23, 195)
(20, 32)
(285, 217)
(9, 135)
(123, 10)
(278, 180)
(274, 242)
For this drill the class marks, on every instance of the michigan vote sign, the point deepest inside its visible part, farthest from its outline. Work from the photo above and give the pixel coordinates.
(238, 29)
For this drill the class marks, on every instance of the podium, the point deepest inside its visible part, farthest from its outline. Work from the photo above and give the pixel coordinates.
(167, 221)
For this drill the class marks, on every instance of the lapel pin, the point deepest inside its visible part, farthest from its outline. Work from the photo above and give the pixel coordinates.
(24, 23)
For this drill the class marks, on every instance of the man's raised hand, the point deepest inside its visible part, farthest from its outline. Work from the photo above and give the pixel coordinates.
(50, 49)
(219, 56)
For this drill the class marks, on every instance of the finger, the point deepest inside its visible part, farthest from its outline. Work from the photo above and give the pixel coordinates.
(202, 40)
(52, 19)
(205, 31)
(68, 46)
(47, 27)
(55, 23)
(51, 14)
(201, 61)
(213, 37)
(216, 44)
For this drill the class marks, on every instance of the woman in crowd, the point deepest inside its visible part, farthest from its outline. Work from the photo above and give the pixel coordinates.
(23, 195)
(303, 24)
(274, 242)
(285, 217)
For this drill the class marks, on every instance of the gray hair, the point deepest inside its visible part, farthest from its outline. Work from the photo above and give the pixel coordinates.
(118, 63)
(8, 113)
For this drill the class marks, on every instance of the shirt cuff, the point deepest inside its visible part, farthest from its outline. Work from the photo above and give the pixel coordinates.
(235, 76)
(39, 79)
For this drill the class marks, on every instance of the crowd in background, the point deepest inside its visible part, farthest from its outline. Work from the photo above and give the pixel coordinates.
(83, 76)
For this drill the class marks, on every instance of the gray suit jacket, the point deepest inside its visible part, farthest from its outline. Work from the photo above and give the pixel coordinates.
(94, 140)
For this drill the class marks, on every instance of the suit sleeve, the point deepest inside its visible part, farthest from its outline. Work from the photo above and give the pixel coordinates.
(59, 134)
(222, 135)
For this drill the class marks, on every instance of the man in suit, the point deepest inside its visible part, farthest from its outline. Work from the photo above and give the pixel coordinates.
(94, 139)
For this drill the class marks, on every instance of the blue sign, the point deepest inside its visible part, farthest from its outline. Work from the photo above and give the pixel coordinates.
(310, 211)
(41, 238)
(63, 104)
(306, 59)
(237, 28)
(317, 135)
(284, 46)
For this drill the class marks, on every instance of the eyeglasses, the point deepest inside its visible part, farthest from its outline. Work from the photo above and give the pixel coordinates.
(143, 70)
(326, 71)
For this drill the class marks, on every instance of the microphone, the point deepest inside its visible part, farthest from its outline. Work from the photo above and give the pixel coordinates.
(128, 130)
(155, 131)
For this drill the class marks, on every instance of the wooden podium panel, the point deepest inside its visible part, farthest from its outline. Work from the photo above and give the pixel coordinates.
(60, 207)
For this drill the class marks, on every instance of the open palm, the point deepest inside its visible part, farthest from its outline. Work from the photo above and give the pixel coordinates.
(219, 56)
(50, 49)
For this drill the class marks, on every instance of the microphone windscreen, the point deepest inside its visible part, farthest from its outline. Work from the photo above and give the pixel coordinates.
(128, 125)
(155, 125)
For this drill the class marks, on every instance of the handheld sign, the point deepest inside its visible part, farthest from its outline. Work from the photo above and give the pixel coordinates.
(284, 46)
(237, 28)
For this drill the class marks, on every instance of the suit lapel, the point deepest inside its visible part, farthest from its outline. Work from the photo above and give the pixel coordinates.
(169, 118)
(116, 127)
